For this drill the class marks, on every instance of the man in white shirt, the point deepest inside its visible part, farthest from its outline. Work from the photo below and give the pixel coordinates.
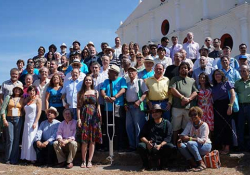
(63, 48)
(117, 47)
(69, 91)
(76, 65)
(42, 85)
(161, 58)
(175, 47)
(191, 47)
(203, 52)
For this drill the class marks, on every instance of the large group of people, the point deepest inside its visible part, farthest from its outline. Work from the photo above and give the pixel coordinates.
(164, 99)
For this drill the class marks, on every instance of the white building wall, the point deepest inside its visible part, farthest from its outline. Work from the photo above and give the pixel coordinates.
(220, 17)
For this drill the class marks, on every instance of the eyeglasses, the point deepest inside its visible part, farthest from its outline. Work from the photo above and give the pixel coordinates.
(193, 114)
(207, 40)
(243, 48)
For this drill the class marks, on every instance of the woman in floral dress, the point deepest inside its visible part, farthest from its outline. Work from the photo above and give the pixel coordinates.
(205, 100)
(88, 119)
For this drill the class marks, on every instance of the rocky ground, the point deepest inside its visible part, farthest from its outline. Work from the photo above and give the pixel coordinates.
(231, 164)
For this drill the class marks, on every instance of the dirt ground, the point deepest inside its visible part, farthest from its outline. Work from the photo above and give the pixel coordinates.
(110, 170)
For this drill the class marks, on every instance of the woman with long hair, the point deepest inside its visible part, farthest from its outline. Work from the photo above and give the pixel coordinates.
(88, 119)
(85, 54)
(205, 100)
(11, 113)
(125, 51)
(54, 95)
(222, 110)
(33, 109)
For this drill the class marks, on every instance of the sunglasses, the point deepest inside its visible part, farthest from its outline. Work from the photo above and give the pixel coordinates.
(193, 114)
(138, 57)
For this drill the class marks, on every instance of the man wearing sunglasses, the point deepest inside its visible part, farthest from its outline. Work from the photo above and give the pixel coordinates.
(243, 51)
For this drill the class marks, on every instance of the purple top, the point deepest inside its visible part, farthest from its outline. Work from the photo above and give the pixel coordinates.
(220, 91)
(67, 130)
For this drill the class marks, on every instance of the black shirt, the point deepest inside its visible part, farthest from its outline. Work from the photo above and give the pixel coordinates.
(157, 132)
(171, 71)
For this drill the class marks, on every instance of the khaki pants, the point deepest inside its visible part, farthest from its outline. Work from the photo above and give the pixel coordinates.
(70, 147)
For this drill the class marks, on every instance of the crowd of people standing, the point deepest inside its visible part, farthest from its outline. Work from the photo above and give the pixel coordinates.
(164, 98)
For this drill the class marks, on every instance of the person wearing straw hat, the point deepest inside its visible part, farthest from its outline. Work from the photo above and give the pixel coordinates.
(76, 64)
(113, 90)
(135, 116)
(45, 137)
(148, 71)
(63, 48)
(77, 56)
(155, 140)
(11, 113)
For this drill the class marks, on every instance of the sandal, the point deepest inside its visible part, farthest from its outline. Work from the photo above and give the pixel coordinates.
(89, 165)
(83, 165)
(199, 168)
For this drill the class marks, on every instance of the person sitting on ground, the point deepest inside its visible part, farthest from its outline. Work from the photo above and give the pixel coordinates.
(155, 140)
(194, 141)
(65, 140)
(45, 137)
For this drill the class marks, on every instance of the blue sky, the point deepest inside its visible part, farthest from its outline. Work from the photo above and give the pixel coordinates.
(27, 24)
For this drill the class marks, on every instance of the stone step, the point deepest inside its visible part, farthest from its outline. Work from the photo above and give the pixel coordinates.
(133, 159)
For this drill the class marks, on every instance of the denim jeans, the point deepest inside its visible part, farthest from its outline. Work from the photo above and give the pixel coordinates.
(163, 104)
(12, 132)
(135, 120)
(243, 115)
(194, 149)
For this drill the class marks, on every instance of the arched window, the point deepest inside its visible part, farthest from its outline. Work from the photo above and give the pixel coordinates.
(165, 27)
(227, 40)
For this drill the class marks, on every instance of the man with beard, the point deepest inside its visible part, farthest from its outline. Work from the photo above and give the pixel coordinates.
(36, 59)
(184, 92)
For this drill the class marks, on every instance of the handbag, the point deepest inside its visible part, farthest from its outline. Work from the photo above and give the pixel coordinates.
(236, 107)
(142, 104)
(212, 159)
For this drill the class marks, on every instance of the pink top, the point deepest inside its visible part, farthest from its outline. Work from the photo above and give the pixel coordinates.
(67, 130)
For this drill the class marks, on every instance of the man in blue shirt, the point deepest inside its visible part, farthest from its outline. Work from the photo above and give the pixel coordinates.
(148, 71)
(113, 90)
(45, 137)
(70, 90)
(74, 56)
(231, 73)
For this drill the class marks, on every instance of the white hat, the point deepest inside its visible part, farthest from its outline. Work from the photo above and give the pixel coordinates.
(149, 58)
(115, 68)
(63, 45)
(76, 61)
(52, 109)
(91, 43)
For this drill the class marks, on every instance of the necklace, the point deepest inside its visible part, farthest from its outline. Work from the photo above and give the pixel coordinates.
(31, 100)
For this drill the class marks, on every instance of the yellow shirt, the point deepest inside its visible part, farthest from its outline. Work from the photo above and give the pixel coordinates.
(158, 89)
(12, 105)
